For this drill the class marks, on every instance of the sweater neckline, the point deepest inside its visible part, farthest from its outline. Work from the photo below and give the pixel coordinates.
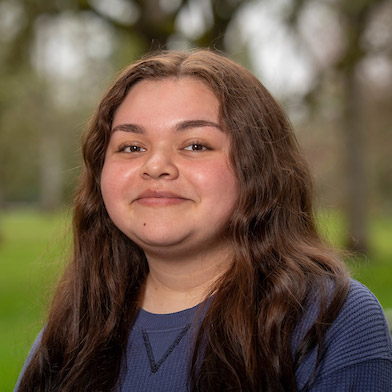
(170, 320)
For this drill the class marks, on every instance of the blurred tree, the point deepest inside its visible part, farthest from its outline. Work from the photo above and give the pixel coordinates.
(31, 87)
(355, 18)
(157, 20)
(157, 25)
(51, 102)
(22, 101)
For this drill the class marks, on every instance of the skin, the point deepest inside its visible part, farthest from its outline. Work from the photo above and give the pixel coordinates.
(167, 183)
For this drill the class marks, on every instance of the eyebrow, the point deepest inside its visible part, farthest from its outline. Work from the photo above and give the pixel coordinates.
(181, 126)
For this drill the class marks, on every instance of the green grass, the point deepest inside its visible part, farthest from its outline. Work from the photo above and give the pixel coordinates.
(32, 246)
(375, 270)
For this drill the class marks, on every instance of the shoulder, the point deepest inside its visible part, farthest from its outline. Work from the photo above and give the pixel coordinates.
(360, 328)
(33, 350)
(357, 346)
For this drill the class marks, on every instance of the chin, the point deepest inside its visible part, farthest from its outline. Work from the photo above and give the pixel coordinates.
(157, 241)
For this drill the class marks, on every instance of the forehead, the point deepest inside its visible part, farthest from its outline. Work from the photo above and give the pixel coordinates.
(184, 97)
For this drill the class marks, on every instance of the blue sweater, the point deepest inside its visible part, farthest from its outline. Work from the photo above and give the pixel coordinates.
(358, 347)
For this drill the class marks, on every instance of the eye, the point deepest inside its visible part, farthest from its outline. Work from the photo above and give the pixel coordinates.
(131, 148)
(196, 146)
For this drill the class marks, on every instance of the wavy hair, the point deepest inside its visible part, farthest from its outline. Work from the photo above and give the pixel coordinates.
(280, 264)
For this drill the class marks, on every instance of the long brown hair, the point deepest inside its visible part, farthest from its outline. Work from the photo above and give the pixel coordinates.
(280, 263)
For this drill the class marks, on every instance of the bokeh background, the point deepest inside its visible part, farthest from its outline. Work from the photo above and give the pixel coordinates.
(329, 62)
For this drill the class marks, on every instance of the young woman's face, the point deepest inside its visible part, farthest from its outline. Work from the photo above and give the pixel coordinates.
(167, 181)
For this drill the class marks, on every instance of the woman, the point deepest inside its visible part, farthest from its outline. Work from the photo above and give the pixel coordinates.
(196, 263)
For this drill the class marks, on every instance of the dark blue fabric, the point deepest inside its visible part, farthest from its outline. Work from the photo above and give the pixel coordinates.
(357, 356)
(170, 338)
(358, 350)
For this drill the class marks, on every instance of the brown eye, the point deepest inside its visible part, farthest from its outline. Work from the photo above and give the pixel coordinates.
(132, 148)
(196, 147)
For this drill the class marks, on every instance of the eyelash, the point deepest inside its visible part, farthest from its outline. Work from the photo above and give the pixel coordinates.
(204, 146)
(136, 148)
(123, 147)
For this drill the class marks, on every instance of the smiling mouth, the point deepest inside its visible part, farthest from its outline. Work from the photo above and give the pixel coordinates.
(159, 198)
(160, 201)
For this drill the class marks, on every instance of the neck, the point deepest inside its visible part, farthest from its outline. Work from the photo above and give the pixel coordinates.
(181, 283)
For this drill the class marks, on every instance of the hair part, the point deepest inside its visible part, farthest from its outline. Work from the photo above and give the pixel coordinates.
(280, 263)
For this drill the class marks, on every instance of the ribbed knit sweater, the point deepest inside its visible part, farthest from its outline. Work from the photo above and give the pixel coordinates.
(358, 350)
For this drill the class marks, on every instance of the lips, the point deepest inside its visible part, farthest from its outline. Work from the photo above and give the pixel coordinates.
(159, 198)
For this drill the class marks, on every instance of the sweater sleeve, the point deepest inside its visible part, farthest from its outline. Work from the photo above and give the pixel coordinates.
(373, 375)
(28, 359)
(357, 350)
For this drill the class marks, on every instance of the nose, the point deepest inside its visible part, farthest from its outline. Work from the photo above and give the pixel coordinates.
(158, 165)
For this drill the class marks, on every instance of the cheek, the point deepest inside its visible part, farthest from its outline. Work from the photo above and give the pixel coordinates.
(228, 190)
(115, 180)
(108, 188)
(218, 182)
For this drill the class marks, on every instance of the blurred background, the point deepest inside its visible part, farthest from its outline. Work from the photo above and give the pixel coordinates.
(329, 62)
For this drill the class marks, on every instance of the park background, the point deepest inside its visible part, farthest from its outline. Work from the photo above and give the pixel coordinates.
(329, 62)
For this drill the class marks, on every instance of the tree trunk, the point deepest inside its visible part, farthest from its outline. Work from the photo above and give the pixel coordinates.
(355, 153)
(51, 173)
